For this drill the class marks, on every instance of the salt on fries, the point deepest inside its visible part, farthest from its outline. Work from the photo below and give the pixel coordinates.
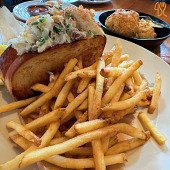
(82, 106)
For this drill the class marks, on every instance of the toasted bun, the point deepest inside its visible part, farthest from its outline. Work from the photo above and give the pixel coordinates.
(21, 72)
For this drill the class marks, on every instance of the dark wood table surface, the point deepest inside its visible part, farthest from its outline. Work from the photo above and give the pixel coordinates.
(146, 6)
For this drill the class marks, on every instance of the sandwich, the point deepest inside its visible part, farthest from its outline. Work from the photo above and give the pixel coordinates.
(46, 44)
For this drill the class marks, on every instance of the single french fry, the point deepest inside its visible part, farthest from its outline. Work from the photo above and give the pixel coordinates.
(58, 140)
(98, 91)
(40, 87)
(73, 105)
(124, 57)
(16, 105)
(143, 103)
(125, 64)
(125, 104)
(78, 114)
(119, 81)
(137, 78)
(84, 151)
(21, 141)
(49, 134)
(70, 97)
(45, 120)
(83, 84)
(105, 143)
(98, 155)
(125, 96)
(117, 54)
(129, 82)
(125, 146)
(117, 116)
(84, 105)
(63, 94)
(74, 74)
(54, 90)
(147, 123)
(85, 162)
(91, 125)
(156, 93)
(44, 109)
(108, 55)
(23, 131)
(111, 72)
(91, 90)
(96, 144)
(72, 132)
(87, 73)
(115, 99)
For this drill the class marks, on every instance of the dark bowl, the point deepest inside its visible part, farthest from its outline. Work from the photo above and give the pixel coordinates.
(149, 43)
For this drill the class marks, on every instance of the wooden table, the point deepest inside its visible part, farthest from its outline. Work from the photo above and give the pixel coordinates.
(146, 6)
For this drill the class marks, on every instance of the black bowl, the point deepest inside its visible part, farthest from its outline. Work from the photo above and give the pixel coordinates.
(162, 33)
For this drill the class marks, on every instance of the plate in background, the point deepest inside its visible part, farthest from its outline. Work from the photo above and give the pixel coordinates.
(147, 43)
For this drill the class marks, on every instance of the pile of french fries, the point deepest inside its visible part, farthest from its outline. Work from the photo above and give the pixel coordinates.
(76, 120)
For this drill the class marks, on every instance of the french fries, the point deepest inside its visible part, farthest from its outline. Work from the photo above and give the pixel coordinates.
(146, 122)
(23, 131)
(98, 92)
(125, 146)
(53, 92)
(90, 125)
(85, 162)
(16, 105)
(44, 153)
(83, 84)
(40, 87)
(74, 74)
(73, 105)
(120, 80)
(45, 120)
(79, 112)
(111, 72)
(125, 104)
(63, 94)
(156, 94)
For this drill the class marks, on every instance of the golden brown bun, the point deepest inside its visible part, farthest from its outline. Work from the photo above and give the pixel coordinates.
(21, 72)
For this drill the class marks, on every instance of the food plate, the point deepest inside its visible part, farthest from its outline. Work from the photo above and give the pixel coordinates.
(93, 2)
(162, 33)
(150, 156)
(21, 13)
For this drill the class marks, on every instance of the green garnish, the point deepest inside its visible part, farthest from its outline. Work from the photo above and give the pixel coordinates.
(40, 29)
(57, 29)
(35, 23)
(42, 40)
(42, 19)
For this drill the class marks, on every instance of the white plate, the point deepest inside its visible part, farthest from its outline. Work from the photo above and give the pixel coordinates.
(148, 157)
(93, 2)
(20, 10)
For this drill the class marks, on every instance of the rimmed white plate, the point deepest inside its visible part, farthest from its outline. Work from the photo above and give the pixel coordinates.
(21, 13)
(94, 2)
(148, 157)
